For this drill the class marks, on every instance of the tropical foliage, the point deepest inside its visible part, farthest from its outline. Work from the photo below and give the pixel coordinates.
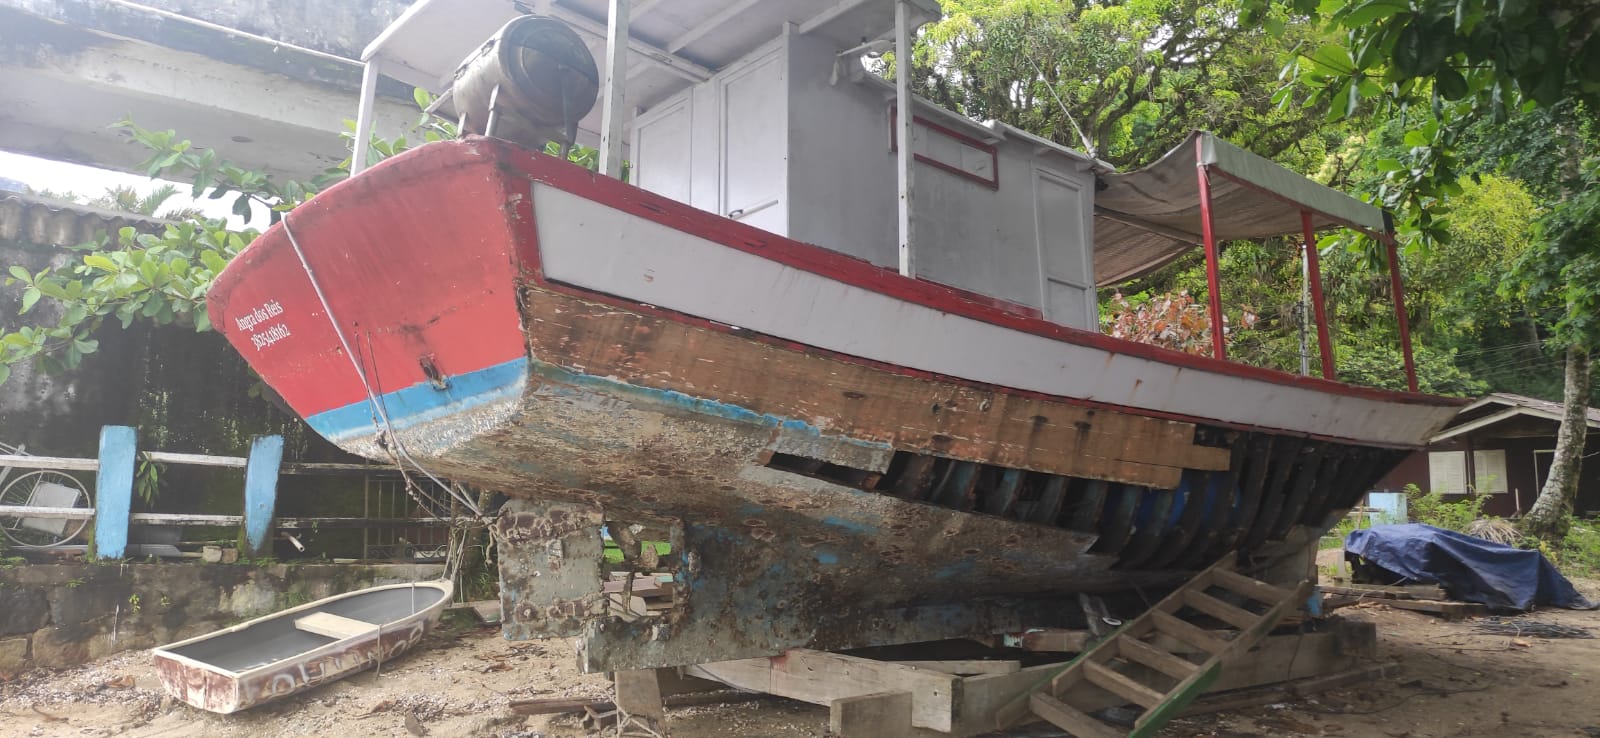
(163, 278)
(1474, 121)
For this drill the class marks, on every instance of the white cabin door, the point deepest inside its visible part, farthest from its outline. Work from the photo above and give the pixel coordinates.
(1064, 238)
(662, 150)
(754, 145)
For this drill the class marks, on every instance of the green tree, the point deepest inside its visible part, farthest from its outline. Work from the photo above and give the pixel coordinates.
(164, 278)
(127, 199)
(1124, 79)
(1527, 66)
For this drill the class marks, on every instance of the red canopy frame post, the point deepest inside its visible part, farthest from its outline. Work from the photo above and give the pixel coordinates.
(1219, 341)
(1314, 276)
(1400, 310)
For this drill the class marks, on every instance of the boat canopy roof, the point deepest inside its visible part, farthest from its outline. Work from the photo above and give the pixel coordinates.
(673, 43)
(1146, 218)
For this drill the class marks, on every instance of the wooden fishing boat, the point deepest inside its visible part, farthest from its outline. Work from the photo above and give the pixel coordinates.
(291, 651)
(848, 438)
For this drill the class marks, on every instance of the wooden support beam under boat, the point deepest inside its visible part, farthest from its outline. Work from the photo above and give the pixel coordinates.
(967, 706)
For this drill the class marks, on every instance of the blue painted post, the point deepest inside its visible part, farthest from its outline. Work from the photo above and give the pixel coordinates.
(261, 491)
(113, 491)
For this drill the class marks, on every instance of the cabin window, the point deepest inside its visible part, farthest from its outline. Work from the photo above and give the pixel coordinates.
(948, 150)
(1447, 472)
(1489, 471)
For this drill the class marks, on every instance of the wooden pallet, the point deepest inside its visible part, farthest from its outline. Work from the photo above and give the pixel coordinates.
(945, 703)
(1167, 681)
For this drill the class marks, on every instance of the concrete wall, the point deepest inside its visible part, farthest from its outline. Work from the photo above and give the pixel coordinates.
(62, 615)
(340, 27)
(70, 68)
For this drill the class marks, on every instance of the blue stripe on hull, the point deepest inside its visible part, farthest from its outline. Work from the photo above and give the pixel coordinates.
(423, 402)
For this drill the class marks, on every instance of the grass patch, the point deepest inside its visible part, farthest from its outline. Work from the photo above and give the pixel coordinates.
(1578, 554)
(614, 554)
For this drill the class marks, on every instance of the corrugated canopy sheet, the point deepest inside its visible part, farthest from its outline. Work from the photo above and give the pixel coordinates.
(1147, 218)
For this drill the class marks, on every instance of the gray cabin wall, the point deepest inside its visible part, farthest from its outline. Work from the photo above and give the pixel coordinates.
(842, 180)
(779, 143)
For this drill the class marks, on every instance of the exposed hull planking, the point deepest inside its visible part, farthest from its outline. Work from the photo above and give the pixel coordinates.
(797, 419)
(294, 650)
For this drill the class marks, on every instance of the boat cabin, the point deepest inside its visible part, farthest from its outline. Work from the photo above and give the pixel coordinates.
(765, 112)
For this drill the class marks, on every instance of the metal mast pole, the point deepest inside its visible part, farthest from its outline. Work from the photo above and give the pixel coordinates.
(612, 93)
(364, 111)
(904, 115)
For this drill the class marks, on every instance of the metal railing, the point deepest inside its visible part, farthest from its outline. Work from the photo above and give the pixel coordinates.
(43, 507)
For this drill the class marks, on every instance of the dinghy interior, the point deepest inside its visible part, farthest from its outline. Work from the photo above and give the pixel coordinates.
(297, 632)
(296, 649)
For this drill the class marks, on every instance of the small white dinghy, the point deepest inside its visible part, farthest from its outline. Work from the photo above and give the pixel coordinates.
(302, 647)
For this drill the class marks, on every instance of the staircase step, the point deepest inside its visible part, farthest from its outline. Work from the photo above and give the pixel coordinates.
(1140, 652)
(1120, 685)
(1188, 632)
(1235, 616)
(1245, 586)
(1067, 718)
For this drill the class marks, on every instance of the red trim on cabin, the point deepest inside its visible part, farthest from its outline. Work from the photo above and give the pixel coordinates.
(850, 270)
(992, 183)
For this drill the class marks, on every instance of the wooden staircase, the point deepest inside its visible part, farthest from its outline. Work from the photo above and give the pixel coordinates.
(1141, 662)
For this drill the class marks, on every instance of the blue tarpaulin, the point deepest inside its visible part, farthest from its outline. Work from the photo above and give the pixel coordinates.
(1470, 569)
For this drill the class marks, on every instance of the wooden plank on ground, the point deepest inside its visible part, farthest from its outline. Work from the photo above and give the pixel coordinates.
(561, 705)
(820, 678)
(639, 695)
(1068, 718)
(965, 667)
(1394, 592)
(881, 715)
(1446, 610)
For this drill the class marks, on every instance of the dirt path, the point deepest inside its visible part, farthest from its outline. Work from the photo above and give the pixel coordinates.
(1453, 682)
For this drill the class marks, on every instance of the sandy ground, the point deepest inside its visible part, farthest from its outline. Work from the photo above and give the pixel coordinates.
(1452, 682)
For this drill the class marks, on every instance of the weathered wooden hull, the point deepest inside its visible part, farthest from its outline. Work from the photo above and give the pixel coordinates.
(796, 419)
(269, 658)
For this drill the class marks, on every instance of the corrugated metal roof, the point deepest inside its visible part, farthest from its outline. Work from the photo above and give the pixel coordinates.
(52, 222)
